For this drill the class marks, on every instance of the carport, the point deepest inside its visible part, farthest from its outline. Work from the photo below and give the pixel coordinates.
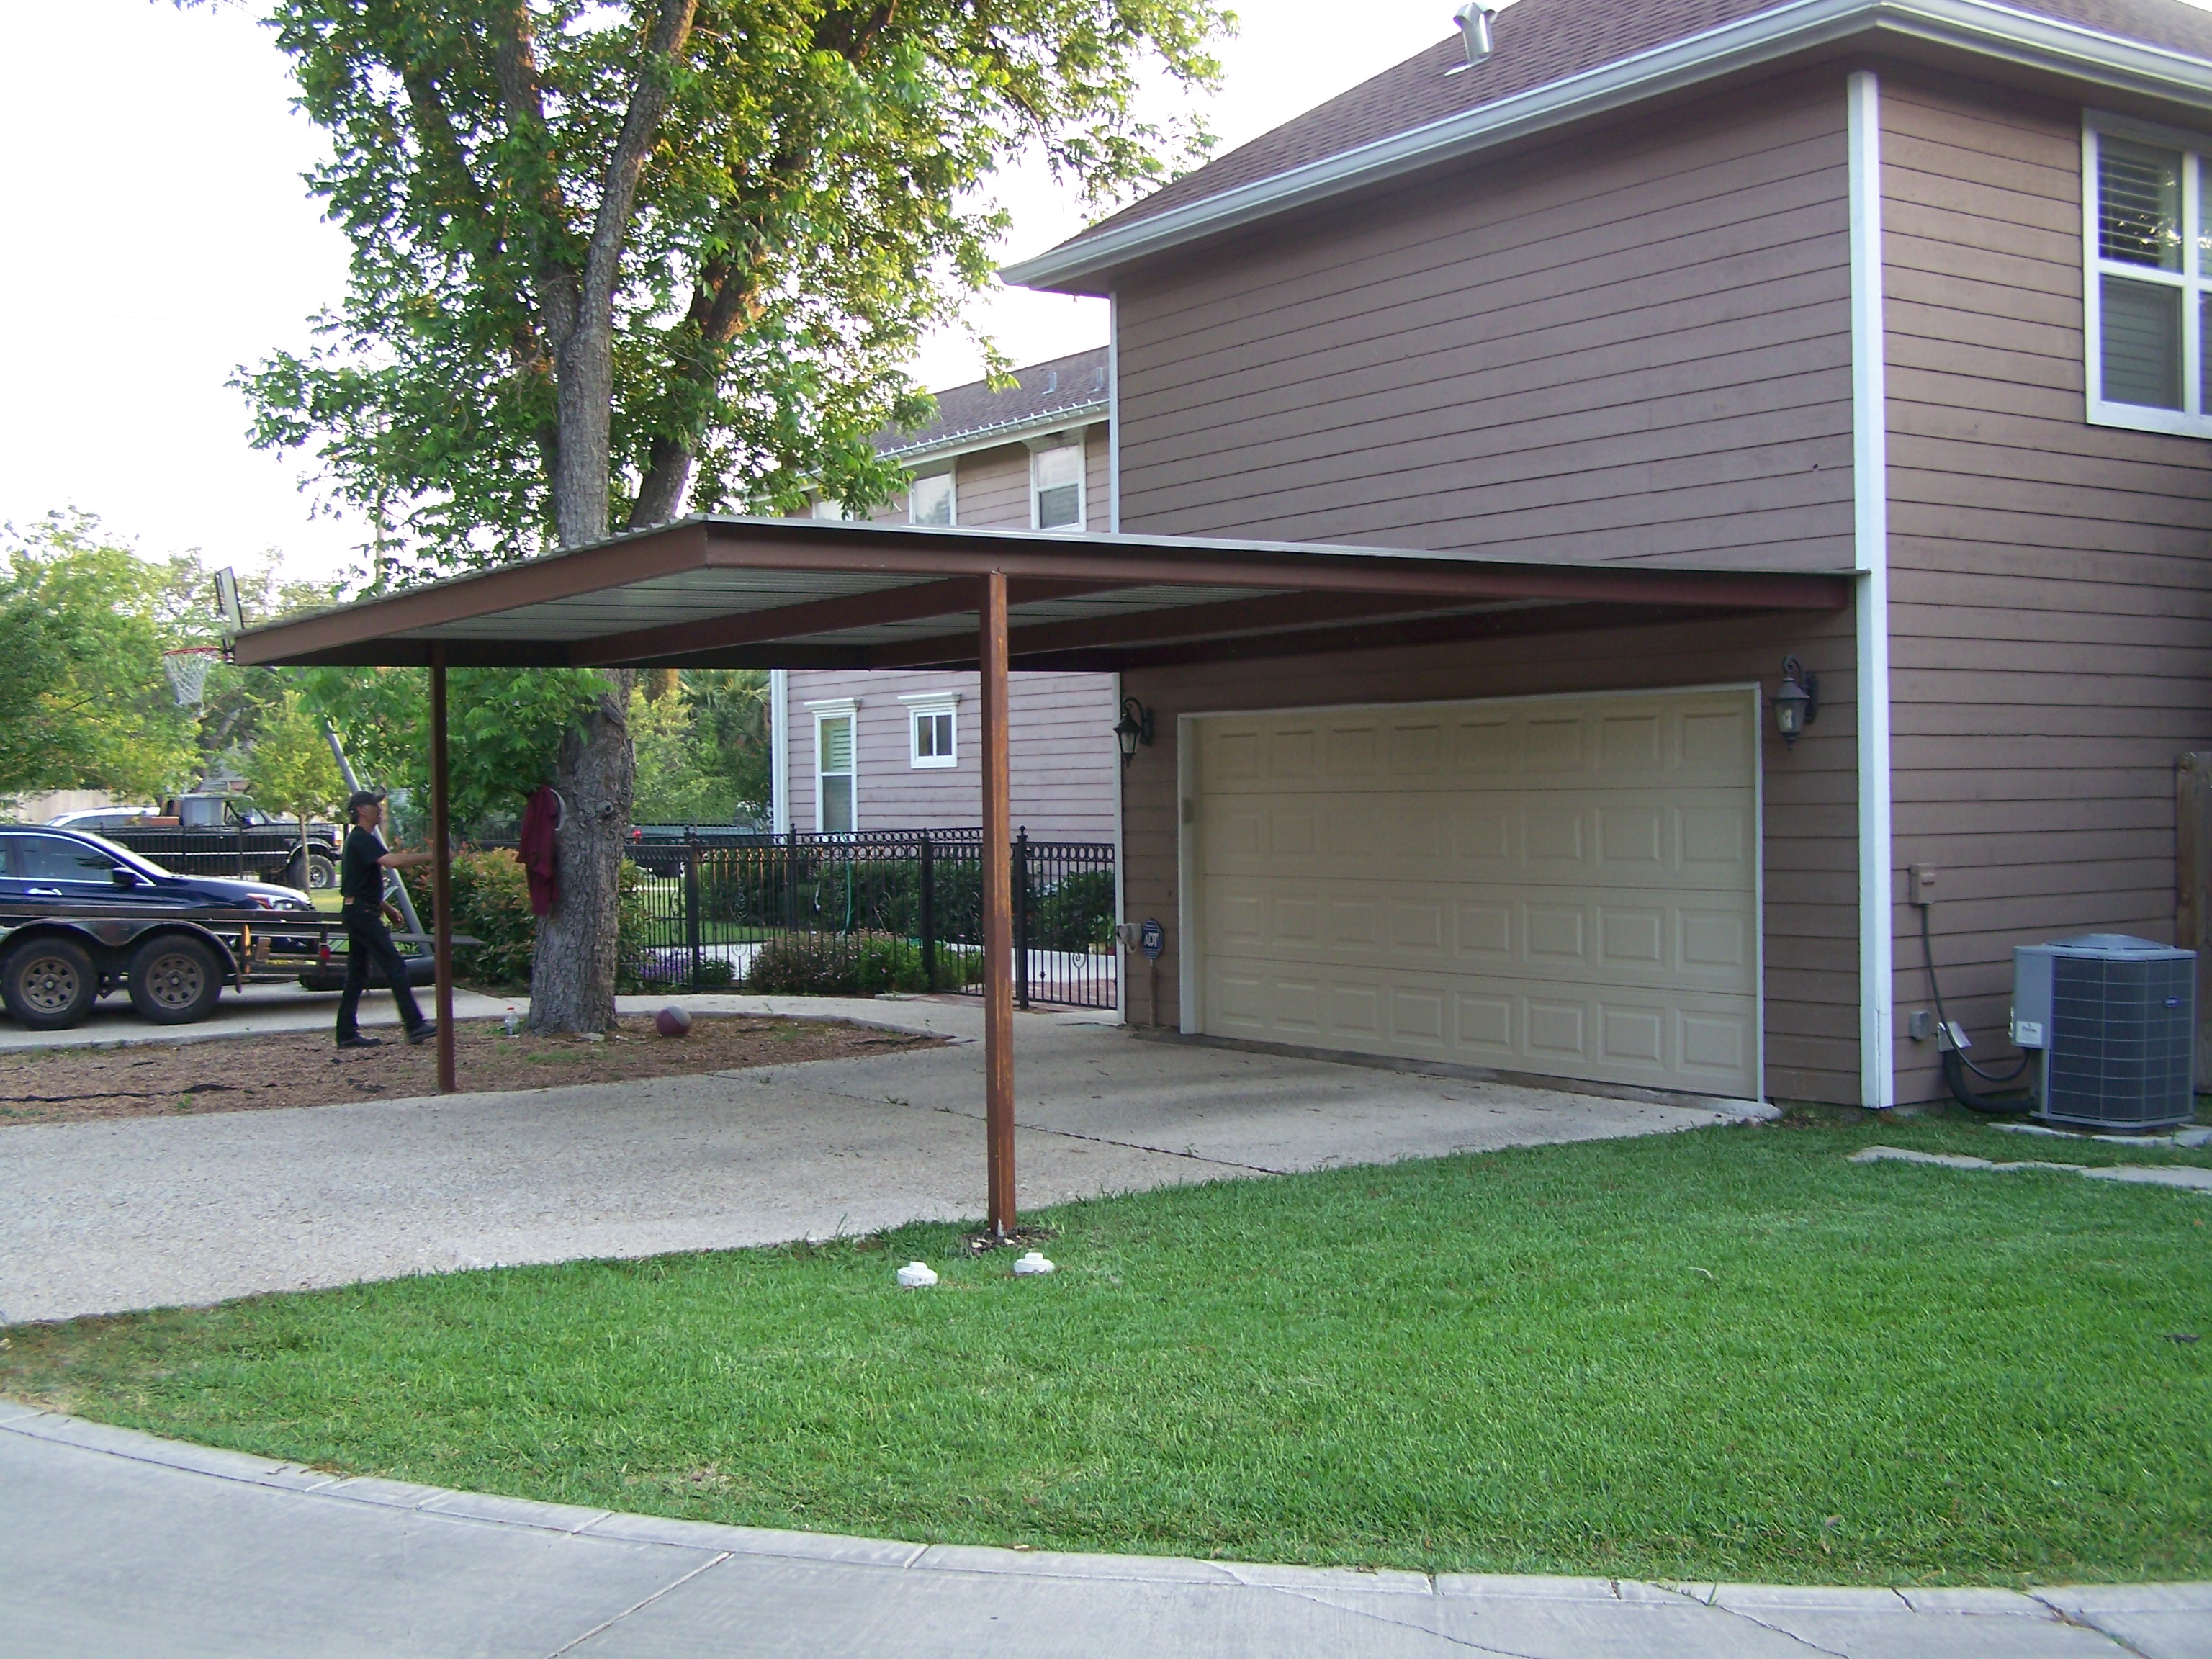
(807, 594)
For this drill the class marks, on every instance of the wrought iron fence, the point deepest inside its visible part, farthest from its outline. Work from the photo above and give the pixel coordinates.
(876, 910)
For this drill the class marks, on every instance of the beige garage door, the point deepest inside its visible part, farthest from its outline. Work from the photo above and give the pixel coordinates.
(1562, 886)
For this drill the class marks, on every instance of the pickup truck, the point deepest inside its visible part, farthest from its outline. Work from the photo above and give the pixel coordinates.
(80, 916)
(218, 834)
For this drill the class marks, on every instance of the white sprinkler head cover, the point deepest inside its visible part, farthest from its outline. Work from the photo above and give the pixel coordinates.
(1034, 1263)
(916, 1276)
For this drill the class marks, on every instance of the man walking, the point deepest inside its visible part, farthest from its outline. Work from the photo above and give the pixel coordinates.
(362, 864)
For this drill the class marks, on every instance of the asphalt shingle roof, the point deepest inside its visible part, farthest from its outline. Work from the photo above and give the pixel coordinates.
(1065, 386)
(1538, 42)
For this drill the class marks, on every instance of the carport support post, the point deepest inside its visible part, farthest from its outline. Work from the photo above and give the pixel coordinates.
(442, 869)
(997, 912)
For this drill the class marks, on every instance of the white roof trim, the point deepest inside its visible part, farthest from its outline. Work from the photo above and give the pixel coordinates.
(995, 437)
(1974, 26)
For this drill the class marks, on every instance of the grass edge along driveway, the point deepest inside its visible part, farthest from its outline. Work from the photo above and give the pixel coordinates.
(1726, 1354)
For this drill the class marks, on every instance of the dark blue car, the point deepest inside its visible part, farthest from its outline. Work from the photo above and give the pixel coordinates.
(80, 916)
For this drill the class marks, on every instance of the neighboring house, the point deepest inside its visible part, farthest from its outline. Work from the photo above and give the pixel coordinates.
(882, 751)
(1918, 290)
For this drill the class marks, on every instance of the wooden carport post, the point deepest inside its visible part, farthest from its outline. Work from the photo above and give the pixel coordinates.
(442, 871)
(998, 913)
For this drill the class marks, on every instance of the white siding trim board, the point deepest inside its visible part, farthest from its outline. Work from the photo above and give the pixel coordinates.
(1870, 511)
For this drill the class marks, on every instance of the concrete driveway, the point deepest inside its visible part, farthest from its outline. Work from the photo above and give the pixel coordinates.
(100, 1217)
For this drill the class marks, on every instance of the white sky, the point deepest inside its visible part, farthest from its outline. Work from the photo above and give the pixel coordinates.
(161, 236)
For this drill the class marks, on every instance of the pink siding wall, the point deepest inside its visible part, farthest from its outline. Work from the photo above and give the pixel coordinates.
(1061, 737)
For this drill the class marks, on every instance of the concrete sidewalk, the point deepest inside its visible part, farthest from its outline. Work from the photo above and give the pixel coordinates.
(119, 1543)
(138, 1212)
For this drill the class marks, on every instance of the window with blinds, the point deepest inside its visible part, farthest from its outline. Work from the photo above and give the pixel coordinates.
(1056, 487)
(833, 773)
(2147, 280)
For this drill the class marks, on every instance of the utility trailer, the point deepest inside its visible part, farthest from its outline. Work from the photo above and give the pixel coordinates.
(55, 964)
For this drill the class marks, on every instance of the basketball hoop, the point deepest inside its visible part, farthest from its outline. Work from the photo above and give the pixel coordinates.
(187, 668)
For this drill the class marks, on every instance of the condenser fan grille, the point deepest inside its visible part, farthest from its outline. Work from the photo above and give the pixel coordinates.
(2119, 1047)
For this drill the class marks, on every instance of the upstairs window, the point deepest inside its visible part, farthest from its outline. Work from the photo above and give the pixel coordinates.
(1056, 487)
(932, 738)
(2148, 278)
(929, 499)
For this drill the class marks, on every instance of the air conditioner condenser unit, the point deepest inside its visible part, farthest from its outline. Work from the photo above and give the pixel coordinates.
(2109, 1022)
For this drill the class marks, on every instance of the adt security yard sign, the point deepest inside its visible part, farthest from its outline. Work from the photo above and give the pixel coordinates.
(1151, 938)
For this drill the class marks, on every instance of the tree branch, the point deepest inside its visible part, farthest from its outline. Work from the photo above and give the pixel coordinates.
(514, 68)
(626, 167)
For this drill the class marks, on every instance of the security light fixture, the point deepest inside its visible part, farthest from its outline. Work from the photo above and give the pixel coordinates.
(1134, 727)
(1796, 702)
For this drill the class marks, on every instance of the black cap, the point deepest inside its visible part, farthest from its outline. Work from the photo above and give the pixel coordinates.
(361, 798)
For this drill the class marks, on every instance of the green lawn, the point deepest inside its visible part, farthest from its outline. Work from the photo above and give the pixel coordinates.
(1724, 1354)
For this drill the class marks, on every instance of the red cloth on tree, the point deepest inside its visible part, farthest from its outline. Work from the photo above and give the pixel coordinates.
(535, 855)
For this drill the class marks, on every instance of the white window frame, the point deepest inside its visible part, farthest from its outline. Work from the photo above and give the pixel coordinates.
(835, 708)
(2192, 419)
(1038, 450)
(951, 495)
(931, 705)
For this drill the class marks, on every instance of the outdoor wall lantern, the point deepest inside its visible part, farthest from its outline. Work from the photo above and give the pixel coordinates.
(1796, 702)
(1134, 727)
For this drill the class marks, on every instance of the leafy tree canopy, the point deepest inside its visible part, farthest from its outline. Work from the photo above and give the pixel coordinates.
(806, 190)
(290, 769)
(84, 702)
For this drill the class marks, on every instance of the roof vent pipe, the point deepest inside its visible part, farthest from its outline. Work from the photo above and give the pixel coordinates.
(1473, 20)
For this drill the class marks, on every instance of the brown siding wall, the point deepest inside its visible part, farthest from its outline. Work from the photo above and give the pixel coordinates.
(1810, 793)
(1630, 346)
(2051, 592)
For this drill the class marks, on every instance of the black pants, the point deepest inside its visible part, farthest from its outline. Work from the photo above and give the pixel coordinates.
(368, 940)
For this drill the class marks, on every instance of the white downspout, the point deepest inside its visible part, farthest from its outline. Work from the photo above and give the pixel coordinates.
(1870, 513)
(779, 750)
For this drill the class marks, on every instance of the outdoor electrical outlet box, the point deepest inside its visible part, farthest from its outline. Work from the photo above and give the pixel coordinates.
(1921, 883)
(1920, 1026)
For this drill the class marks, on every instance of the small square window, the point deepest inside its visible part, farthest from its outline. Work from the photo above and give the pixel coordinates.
(929, 499)
(933, 737)
(2149, 299)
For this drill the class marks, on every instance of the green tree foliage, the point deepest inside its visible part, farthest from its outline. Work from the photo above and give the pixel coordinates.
(289, 769)
(503, 732)
(84, 702)
(773, 198)
(702, 748)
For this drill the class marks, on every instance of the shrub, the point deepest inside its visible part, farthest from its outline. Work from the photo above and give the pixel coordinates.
(1075, 915)
(491, 903)
(853, 964)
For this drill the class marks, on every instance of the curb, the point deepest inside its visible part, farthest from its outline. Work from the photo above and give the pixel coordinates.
(2080, 1604)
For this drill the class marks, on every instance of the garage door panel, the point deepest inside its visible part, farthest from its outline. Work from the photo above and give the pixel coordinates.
(1682, 1040)
(1697, 941)
(1564, 884)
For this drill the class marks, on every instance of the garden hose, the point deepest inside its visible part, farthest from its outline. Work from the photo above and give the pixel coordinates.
(1955, 1063)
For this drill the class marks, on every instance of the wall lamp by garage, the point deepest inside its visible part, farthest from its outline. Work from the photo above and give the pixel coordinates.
(1134, 727)
(1797, 702)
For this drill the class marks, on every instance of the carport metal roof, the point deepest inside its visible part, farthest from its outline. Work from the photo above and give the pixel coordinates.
(812, 593)
(805, 592)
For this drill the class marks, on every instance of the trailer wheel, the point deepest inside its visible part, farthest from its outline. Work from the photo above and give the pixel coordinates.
(174, 981)
(49, 984)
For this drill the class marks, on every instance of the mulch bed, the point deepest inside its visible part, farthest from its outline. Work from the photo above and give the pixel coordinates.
(244, 1075)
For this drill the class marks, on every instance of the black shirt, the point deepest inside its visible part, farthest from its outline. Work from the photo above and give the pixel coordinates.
(361, 876)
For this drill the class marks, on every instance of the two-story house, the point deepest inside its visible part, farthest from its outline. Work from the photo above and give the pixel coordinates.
(856, 750)
(1919, 291)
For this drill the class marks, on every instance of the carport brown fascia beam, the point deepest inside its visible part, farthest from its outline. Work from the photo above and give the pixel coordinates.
(1414, 576)
(1266, 613)
(912, 602)
(340, 635)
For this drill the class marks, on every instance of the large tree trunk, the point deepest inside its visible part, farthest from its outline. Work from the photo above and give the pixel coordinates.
(572, 978)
